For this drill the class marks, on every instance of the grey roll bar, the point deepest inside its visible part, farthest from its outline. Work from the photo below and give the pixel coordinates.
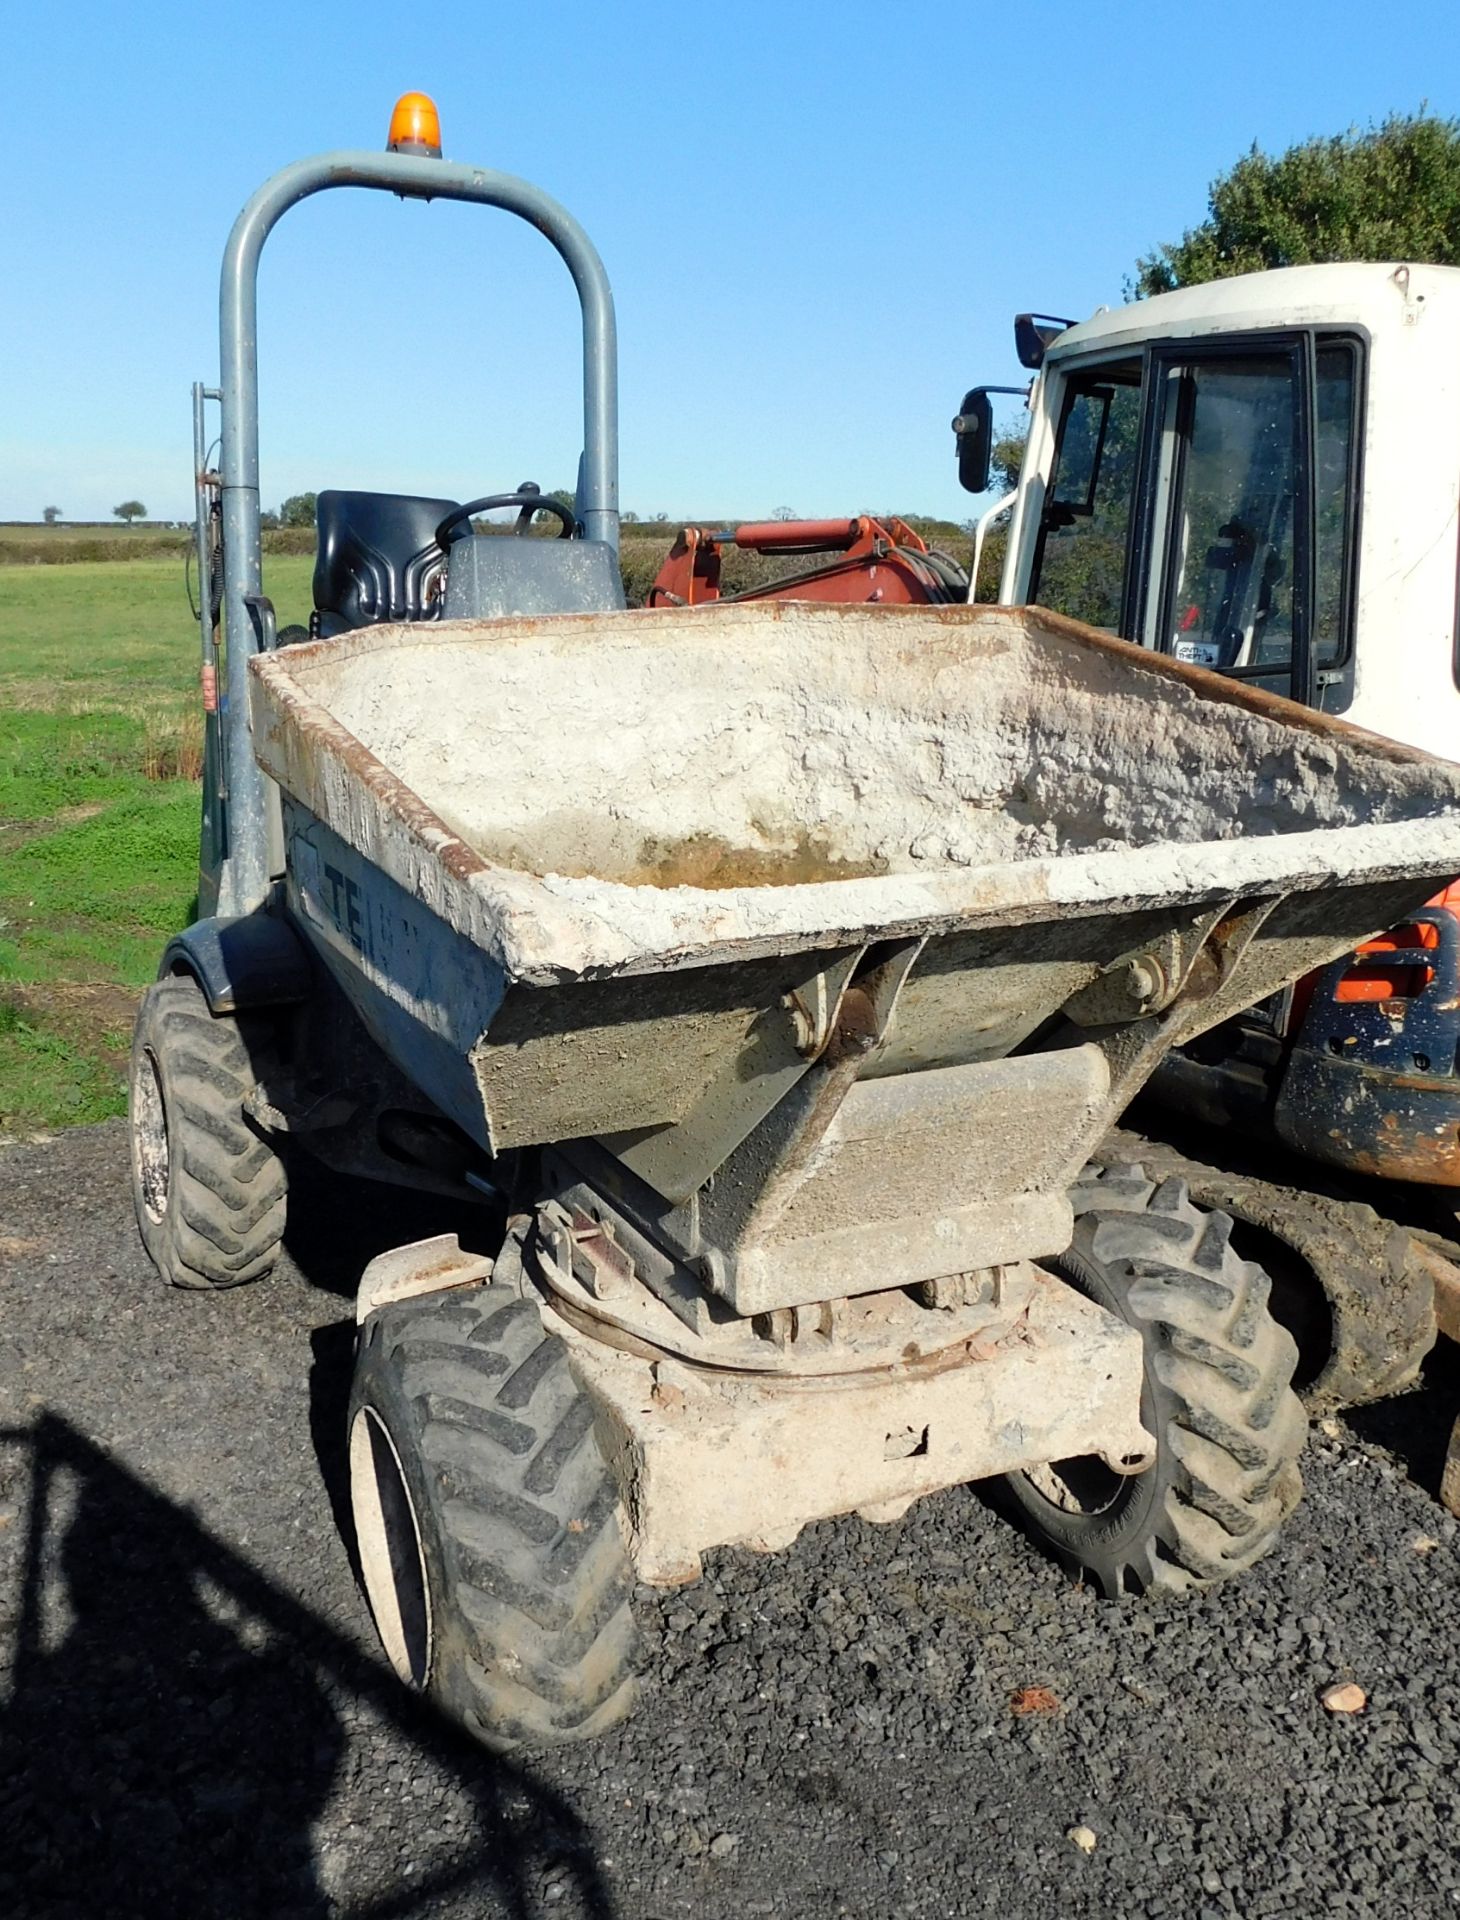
(415, 177)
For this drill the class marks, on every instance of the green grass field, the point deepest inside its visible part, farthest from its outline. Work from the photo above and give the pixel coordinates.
(100, 731)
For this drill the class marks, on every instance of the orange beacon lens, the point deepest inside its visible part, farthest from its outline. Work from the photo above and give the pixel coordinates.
(415, 126)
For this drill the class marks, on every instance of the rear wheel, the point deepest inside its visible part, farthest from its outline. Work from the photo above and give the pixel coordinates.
(486, 1521)
(209, 1190)
(1217, 1397)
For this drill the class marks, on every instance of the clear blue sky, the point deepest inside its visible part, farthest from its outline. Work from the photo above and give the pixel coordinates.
(818, 221)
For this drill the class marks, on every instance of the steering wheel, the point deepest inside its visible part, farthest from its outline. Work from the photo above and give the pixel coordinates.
(527, 498)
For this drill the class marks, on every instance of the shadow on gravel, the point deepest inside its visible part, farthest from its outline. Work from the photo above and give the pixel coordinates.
(336, 1227)
(337, 1224)
(330, 1377)
(1415, 1426)
(176, 1725)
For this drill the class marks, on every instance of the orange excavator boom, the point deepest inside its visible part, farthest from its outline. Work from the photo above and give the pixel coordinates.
(867, 562)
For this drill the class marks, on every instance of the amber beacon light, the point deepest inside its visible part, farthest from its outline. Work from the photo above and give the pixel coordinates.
(415, 126)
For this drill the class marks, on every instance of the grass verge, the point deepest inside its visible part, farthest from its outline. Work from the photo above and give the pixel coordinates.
(100, 736)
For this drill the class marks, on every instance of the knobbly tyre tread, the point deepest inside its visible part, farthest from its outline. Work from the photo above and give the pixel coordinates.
(226, 1190)
(1218, 1395)
(533, 1636)
(1380, 1300)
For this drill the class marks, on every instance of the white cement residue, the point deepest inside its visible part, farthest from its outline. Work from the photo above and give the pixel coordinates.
(965, 758)
(953, 746)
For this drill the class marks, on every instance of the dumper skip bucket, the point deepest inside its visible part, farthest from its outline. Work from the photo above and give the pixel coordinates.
(645, 879)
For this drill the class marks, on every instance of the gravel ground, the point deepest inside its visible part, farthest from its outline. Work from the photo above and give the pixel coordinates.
(197, 1722)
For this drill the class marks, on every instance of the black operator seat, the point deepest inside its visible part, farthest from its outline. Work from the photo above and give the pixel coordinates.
(376, 559)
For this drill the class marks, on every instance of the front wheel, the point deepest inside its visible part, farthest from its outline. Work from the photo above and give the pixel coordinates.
(1217, 1397)
(486, 1521)
(209, 1190)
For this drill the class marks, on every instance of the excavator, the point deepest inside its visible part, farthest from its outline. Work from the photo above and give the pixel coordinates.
(866, 561)
(1257, 477)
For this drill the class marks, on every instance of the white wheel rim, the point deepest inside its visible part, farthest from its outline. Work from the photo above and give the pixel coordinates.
(149, 1138)
(392, 1563)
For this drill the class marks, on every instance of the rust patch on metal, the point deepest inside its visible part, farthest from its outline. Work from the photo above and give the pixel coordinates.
(1395, 1144)
(856, 1028)
(1427, 1164)
(702, 860)
(596, 1258)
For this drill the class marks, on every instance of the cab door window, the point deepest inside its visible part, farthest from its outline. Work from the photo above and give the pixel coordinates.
(1203, 501)
(1079, 559)
(1335, 460)
(1233, 464)
(1252, 475)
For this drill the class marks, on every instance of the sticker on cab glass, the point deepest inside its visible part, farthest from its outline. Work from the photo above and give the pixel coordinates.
(1198, 653)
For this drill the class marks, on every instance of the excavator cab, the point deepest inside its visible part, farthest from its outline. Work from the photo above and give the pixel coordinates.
(1203, 493)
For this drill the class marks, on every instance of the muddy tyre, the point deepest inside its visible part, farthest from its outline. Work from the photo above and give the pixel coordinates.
(486, 1521)
(208, 1188)
(1217, 1397)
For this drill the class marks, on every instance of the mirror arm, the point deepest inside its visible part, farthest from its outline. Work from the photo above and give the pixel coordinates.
(980, 534)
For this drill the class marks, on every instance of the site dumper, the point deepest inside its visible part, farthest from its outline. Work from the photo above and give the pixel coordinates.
(769, 974)
(786, 964)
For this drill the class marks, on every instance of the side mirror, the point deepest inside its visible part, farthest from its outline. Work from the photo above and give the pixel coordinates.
(1034, 333)
(973, 426)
